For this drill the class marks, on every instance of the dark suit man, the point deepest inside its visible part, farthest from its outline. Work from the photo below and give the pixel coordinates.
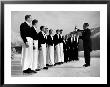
(75, 45)
(86, 33)
(66, 49)
(71, 47)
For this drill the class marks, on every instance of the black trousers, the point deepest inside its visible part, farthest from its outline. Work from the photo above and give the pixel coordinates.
(87, 56)
(75, 53)
(71, 54)
(65, 55)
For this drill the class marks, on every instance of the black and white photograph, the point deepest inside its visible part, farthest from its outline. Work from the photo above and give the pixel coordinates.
(58, 41)
(55, 43)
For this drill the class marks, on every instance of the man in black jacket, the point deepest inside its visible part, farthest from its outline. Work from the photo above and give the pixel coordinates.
(57, 47)
(75, 45)
(86, 33)
(35, 44)
(50, 46)
(71, 46)
(42, 47)
(26, 35)
(66, 48)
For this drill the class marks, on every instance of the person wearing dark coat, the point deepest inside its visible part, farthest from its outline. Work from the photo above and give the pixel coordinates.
(71, 47)
(57, 47)
(50, 49)
(86, 33)
(35, 44)
(27, 49)
(75, 45)
(41, 37)
(66, 49)
(42, 47)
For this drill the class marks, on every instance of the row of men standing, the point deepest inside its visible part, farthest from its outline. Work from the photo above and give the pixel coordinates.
(40, 49)
(70, 45)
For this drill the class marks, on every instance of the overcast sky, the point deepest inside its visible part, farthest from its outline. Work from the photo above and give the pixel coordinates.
(65, 20)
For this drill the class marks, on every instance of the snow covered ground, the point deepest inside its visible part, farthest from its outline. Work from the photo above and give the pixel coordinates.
(70, 69)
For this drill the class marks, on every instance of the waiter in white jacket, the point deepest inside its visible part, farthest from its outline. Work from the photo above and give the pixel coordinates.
(26, 35)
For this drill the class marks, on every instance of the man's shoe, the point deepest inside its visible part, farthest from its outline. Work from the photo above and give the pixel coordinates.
(86, 65)
(27, 71)
(45, 68)
(32, 71)
(37, 70)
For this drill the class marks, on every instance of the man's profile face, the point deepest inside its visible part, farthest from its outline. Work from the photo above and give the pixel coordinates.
(36, 24)
(57, 32)
(50, 32)
(43, 29)
(46, 30)
(29, 19)
(61, 32)
(85, 26)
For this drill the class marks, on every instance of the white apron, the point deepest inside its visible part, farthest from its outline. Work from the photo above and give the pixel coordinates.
(51, 55)
(47, 54)
(27, 59)
(57, 54)
(35, 55)
(42, 56)
(61, 52)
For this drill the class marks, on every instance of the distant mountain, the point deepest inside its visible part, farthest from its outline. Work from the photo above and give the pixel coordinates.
(95, 32)
(95, 37)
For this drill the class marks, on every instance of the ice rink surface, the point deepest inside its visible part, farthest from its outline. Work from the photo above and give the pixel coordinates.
(70, 69)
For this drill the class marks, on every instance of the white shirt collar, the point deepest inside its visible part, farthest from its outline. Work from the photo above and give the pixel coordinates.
(28, 23)
(58, 35)
(35, 28)
(42, 32)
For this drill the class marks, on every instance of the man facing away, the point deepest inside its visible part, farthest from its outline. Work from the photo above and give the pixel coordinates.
(27, 52)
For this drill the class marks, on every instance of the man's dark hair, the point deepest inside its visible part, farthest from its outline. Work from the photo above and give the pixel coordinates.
(41, 27)
(86, 24)
(34, 21)
(27, 16)
(50, 30)
(57, 30)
